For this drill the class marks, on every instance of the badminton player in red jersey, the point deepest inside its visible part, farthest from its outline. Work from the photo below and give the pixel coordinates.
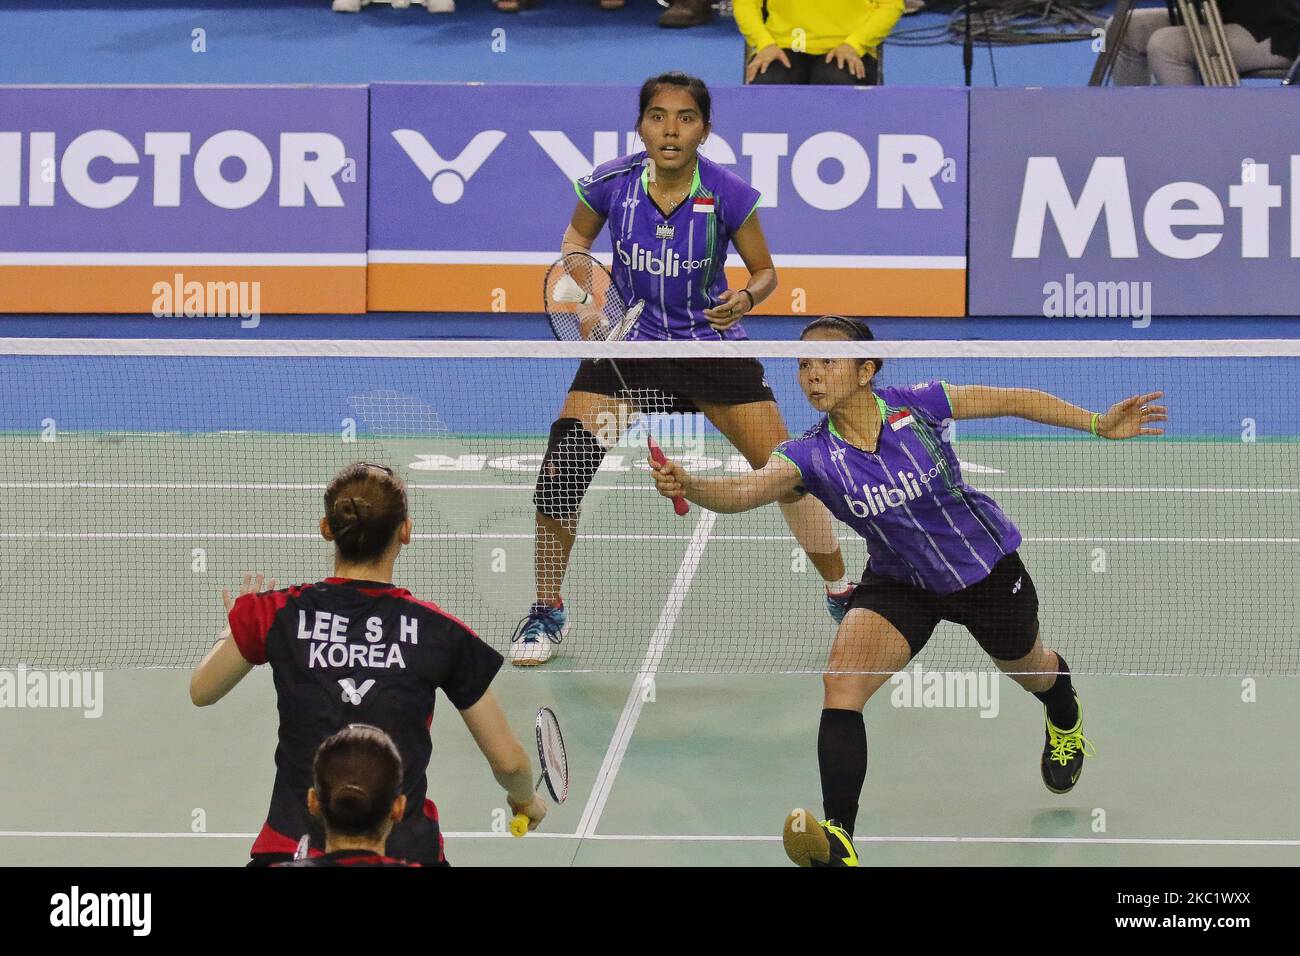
(354, 648)
(357, 792)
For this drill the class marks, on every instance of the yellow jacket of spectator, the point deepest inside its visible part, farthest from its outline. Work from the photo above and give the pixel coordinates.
(825, 24)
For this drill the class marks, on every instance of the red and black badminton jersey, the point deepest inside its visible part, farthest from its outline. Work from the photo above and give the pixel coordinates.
(360, 858)
(346, 652)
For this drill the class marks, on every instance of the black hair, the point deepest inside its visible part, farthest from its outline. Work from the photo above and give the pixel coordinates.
(357, 775)
(855, 329)
(365, 504)
(691, 84)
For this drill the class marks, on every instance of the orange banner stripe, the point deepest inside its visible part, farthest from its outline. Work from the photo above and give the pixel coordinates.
(283, 289)
(407, 287)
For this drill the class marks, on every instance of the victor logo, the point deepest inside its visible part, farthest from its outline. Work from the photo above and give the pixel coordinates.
(307, 163)
(447, 178)
(352, 694)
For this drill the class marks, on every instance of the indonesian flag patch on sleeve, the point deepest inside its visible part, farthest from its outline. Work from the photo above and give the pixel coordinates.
(703, 204)
(900, 419)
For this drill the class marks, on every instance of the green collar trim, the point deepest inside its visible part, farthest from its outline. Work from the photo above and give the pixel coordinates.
(695, 180)
(880, 404)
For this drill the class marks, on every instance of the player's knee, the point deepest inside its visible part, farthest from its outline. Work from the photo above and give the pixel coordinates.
(572, 458)
(1017, 649)
(846, 691)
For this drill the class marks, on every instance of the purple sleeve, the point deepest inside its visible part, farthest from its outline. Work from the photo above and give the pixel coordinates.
(597, 189)
(794, 451)
(737, 199)
(930, 398)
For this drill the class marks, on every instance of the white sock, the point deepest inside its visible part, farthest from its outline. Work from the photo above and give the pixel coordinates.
(838, 587)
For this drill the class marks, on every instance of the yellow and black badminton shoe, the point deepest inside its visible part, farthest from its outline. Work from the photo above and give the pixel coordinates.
(809, 843)
(1063, 755)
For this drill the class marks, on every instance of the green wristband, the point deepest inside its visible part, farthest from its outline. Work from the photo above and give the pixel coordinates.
(1096, 417)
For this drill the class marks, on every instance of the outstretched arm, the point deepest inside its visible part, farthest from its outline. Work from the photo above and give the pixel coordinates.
(775, 480)
(505, 755)
(217, 674)
(224, 666)
(1125, 419)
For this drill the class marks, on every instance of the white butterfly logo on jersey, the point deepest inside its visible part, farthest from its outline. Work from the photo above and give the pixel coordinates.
(837, 455)
(352, 694)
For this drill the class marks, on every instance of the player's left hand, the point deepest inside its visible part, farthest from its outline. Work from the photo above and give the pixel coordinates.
(846, 58)
(1127, 419)
(731, 307)
(251, 585)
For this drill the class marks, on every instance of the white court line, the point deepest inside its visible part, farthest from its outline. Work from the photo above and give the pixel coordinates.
(663, 632)
(528, 536)
(683, 838)
(928, 349)
(642, 487)
(169, 259)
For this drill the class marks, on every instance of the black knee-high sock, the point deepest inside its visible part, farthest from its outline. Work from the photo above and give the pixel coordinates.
(842, 758)
(1062, 708)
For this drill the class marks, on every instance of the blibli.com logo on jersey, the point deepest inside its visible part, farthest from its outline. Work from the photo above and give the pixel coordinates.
(642, 260)
(880, 498)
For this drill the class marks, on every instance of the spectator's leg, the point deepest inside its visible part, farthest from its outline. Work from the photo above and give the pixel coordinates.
(831, 74)
(1173, 62)
(1131, 66)
(687, 13)
(1250, 54)
(777, 73)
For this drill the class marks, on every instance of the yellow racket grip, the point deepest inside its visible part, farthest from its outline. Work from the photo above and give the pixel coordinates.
(519, 825)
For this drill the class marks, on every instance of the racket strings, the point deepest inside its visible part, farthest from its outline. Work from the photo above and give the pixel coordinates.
(551, 750)
(583, 303)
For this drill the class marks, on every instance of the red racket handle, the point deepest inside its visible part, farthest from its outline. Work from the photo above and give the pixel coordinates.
(679, 503)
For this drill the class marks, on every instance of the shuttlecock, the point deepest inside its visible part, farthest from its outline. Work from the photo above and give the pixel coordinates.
(566, 290)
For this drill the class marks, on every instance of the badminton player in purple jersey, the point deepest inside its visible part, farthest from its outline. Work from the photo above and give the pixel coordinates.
(672, 215)
(882, 461)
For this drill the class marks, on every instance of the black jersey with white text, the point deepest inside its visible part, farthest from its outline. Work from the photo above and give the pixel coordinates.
(345, 652)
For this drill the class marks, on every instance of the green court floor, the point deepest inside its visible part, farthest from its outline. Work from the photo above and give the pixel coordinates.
(688, 690)
(1186, 774)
